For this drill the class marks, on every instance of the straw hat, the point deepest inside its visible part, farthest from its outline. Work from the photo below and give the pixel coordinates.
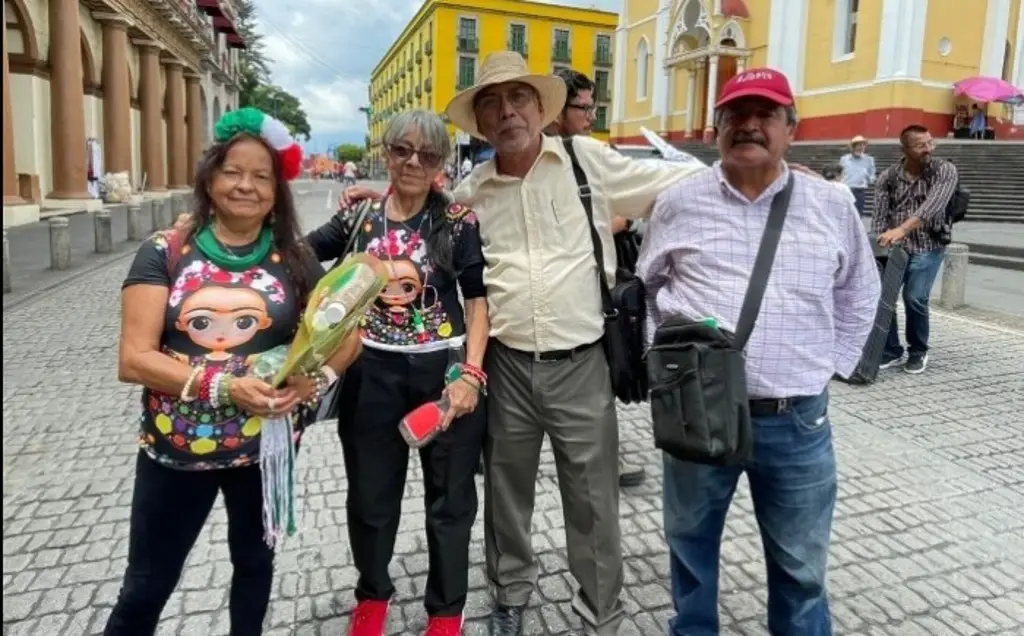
(859, 139)
(499, 68)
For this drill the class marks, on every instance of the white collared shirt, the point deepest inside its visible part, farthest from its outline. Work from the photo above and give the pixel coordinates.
(541, 275)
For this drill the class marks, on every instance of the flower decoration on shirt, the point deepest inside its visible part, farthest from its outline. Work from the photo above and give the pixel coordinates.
(199, 273)
(252, 121)
(398, 244)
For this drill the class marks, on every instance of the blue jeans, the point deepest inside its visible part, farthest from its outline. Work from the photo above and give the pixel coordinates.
(793, 486)
(917, 288)
(860, 198)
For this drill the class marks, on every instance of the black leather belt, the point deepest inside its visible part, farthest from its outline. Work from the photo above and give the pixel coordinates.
(764, 407)
(554, 356)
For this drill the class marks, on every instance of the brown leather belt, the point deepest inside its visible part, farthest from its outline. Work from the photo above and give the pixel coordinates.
(557, 355)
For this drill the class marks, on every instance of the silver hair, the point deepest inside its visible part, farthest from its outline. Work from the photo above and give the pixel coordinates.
(431, 129)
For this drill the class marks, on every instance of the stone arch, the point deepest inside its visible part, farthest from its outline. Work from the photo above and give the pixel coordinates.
(690, 20)
(731, 30)
(89, 79)
(133, 73)
(17, 18)
(216, 108)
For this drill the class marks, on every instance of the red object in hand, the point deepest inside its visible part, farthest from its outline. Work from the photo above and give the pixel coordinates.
(423, 423)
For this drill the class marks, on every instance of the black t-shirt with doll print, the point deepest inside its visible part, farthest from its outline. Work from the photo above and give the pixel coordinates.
(219, 319)
(419, 309)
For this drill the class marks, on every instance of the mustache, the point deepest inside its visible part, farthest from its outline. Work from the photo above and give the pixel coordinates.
(747, 138)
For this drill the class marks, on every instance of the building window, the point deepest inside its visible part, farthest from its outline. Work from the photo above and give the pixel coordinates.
(642, 64)
(517, 39)
(845, 36)
(468, 42)
(601, 86)
(601, 119)
(467, 72)
(555, 68)
(561, 51)
(603, 50)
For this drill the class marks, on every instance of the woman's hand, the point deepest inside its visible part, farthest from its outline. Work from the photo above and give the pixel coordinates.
(354, 194)
(256, 397)
(303, 386)
(463, 395)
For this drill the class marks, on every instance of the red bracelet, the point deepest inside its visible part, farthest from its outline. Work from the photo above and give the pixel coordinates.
(475, 372)
(204, 385)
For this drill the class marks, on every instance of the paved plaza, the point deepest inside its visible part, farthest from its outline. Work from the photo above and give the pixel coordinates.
(928, 537)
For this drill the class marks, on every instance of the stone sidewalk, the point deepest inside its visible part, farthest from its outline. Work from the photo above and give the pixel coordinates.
(927, 539)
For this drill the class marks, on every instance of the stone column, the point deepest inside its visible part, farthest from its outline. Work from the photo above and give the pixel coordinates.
(176, 140)
(117, 94)
(691, 99)
(11, 196)
(669, 76)
(151, 107)
(741, 64)
(67, 103)
(194, 123)
(709, 112)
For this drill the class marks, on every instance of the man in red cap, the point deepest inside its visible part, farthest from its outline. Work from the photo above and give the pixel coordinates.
(818, 306)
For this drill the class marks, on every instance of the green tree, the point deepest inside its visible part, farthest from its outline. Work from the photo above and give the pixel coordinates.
(283, 106)
(254, 70)
(350, 152)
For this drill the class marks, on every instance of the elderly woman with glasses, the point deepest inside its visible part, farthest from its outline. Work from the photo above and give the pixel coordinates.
(416, 339)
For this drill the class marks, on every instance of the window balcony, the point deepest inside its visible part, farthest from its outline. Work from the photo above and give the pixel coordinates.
(469, 44)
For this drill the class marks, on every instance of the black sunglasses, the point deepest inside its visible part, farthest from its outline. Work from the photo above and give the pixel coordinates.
(404, 153)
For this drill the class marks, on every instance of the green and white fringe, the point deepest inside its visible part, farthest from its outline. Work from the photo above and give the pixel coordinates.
(277, 468)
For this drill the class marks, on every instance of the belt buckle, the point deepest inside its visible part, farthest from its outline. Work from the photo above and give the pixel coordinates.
(538, 357)
(782, 405)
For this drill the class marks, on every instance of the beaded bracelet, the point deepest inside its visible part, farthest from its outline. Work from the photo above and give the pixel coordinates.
(187, 389)
(323, 382)
(224, 389)
(204, 385)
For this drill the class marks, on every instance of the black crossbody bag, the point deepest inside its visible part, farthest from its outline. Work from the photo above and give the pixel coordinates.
(700, 407)
(623, 307)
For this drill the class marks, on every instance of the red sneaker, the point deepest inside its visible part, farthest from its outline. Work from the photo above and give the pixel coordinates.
(369, 618)
(444, 626)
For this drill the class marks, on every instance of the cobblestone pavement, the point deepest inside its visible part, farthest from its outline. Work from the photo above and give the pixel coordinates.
(927, 539)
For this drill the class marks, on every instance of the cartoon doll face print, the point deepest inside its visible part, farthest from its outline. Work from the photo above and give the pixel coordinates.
(221, 318)
(403, 287)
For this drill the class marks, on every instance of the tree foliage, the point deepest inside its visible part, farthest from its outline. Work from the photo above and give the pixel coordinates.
(350, 152)
(256, 88)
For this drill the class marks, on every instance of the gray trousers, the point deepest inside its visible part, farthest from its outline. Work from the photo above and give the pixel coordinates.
(572, 401)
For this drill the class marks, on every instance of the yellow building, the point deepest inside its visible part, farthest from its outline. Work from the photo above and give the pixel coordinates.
(866, 67)
(439, 51)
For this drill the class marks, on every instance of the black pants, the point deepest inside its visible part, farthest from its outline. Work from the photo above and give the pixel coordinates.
(381, 388)
(169, 509)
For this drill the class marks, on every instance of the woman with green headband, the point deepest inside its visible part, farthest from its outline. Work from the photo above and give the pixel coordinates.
(199, 303)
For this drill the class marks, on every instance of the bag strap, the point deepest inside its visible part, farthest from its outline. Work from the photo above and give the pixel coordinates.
(607, 306)
(353, 230)
(763, 265)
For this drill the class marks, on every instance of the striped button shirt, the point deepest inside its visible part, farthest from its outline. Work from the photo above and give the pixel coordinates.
(900, 196)
(821, 295)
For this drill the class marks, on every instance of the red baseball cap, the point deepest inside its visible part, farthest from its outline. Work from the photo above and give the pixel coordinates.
(757, 82)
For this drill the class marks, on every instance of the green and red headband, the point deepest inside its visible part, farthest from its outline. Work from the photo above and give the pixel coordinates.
(255, 122)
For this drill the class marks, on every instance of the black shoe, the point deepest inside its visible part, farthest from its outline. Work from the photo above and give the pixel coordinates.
(629, 475)
(916, 363)
(506, 620)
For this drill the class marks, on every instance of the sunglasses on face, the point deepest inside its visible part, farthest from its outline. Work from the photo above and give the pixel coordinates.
(403, 153)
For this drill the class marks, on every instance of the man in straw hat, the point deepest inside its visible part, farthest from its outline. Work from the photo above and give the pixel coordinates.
(547, 370)
(858, 170)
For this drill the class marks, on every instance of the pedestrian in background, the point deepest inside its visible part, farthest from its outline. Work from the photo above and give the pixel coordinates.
(858, 171)
(818, 308)
(910, 210)
(413, 337)
(198, 304)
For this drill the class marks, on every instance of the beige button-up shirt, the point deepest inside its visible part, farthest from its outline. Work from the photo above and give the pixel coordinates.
(541, 275)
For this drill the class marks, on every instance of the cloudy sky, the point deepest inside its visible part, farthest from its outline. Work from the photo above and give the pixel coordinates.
(323, 51)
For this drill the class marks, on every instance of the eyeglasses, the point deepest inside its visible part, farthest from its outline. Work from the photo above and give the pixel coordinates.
(403, 153)
(588, 109)
(519, 98)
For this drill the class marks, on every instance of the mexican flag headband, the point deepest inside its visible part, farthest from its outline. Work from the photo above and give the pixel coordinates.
(255, 122)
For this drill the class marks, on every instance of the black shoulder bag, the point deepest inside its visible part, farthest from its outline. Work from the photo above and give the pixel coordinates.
(623, 307)
(330, 403)
(700, 407)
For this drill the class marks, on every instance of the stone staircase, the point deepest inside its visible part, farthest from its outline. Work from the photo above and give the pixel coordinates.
(994, 171)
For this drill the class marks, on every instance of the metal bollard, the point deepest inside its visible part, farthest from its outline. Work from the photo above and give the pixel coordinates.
(135, 232)
(954, 277)
(60, 243)
(104, 232)
(158, 213)
(7, 264)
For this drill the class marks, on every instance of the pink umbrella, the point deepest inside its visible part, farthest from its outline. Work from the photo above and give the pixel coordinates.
(987, 89)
